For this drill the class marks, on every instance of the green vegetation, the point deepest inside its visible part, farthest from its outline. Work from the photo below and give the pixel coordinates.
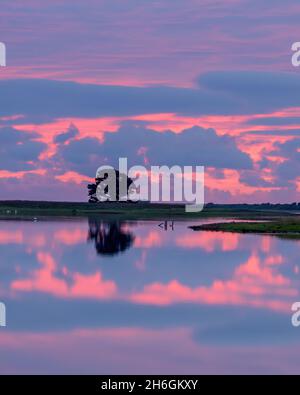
(285, 226)
(29, 209)
(139, 210)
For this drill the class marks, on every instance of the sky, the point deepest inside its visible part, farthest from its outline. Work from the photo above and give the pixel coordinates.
(165, 82)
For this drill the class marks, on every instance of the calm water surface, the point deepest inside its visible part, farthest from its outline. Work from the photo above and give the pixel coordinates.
(93, 297)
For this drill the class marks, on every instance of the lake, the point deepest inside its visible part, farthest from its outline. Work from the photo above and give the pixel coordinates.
(92, 297)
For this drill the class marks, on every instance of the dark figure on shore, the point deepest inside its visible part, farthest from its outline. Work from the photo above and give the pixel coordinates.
(109, 237)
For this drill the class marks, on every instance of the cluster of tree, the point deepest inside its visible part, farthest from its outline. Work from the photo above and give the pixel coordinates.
(104, 194)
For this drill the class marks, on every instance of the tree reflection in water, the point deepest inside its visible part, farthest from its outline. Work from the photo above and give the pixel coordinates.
(109, 237)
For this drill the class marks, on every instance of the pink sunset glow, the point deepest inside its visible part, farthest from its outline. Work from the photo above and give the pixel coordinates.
(160, 78)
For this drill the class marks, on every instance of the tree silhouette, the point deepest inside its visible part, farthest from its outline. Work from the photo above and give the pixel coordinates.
(109, 237)
(105, 194)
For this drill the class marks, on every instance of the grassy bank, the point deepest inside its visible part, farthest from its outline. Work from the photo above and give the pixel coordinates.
(139, 210)
(284, 226)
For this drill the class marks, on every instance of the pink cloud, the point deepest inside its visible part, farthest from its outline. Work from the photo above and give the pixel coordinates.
(82, 286)
(152, 239)
(209, 241)
(250, 285)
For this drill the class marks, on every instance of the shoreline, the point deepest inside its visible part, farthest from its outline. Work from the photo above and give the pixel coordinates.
(139, 210)
(285, 227)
